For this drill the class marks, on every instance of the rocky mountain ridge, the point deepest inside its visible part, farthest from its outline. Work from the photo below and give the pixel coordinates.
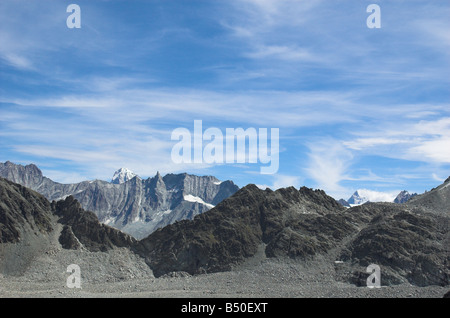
(135, 206)
(408, 242)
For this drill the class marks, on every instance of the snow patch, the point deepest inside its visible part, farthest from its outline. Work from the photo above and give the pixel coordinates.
(108, 221)
(192, 198)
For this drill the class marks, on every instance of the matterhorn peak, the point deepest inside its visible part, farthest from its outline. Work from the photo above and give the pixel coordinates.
(122, 175)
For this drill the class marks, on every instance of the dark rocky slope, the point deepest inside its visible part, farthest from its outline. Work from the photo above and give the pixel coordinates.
(408, 245)
(408, 242)
(22, 210)
(234, 229)
(27, 220)
(82, 228)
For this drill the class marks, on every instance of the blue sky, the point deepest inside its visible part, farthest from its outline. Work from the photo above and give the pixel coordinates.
(355, 107)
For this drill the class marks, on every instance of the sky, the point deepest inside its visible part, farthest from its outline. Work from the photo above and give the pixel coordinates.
(355, 107)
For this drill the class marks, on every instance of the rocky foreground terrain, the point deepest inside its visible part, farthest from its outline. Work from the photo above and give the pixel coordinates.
(257, 243)
(264, 279)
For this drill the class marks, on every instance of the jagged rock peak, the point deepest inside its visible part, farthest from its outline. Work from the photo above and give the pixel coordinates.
(28, 168)
(29, 175)
(404, 196)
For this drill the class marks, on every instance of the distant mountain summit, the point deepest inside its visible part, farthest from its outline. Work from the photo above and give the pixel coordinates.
(129, 203)
(122, 175)
(29, 175)
(362, 196)
(404, 197)
(357, 198)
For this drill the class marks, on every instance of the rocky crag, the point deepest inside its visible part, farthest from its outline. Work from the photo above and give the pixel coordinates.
(137, 207)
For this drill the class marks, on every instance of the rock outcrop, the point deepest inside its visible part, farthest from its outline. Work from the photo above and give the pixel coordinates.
(82, 228)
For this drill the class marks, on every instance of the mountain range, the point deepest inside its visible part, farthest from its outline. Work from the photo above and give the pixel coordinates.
(410, 242)
(134, 205)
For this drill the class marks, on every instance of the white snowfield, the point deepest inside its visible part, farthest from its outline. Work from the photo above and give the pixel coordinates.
(192, 198)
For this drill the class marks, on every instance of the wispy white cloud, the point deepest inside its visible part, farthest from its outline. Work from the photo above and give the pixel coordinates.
(364, 143)
(424, 140)
(437, 178)
(283, 53)
(435, 150)
(18, 61)
(294, 109)
(328, 165)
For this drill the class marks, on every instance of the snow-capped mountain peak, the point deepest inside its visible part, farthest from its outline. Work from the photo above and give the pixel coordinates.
(362, 196)
(122, 175)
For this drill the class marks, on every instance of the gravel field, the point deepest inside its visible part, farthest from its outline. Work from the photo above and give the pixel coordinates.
(117, 274)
